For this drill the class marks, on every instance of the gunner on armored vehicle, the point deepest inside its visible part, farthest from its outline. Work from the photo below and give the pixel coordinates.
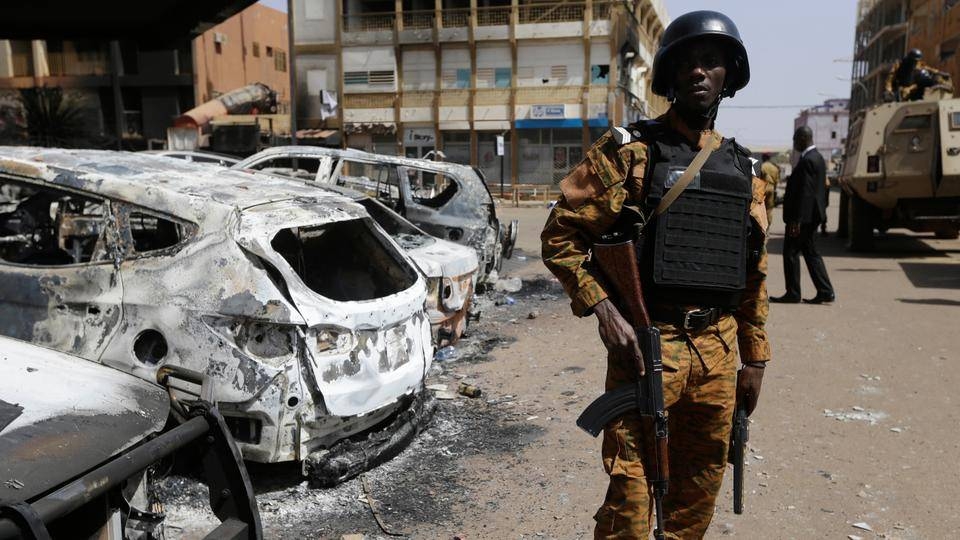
(911, 76)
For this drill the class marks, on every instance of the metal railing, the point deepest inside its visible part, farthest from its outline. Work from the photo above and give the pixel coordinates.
(454, 98)
(552, 13)
(367, 22)
(418, 99)
(417, 19)
(486, 16)
(368, 101)
(493, 16)
(601, 10)
(453, 18)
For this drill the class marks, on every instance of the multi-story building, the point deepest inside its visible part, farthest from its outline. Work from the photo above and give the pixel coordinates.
(829, 123)
(414, 76)
(887, 29)
(250, 47)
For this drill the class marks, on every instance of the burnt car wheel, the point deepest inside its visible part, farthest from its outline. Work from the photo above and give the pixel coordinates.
(510, 239)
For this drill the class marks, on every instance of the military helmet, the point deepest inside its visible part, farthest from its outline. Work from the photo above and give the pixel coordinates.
(914, 54)
(697, 24)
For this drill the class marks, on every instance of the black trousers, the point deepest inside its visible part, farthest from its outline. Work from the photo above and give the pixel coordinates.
(792, 248)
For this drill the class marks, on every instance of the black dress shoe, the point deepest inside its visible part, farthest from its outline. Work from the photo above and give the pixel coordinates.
(820, 299)
(785, 299)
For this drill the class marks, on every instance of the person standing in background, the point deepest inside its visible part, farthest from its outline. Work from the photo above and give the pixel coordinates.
(771, 175)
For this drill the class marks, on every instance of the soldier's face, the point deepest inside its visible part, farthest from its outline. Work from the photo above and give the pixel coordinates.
(700, 69)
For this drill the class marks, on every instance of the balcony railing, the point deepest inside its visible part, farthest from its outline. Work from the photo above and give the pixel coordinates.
(413, 20)
(453, 18)
(601, 10)
(368, 101)
(486, 16)
(493, 16)
(551, 13)
(368, 22)
(492, 96)
(552, 94)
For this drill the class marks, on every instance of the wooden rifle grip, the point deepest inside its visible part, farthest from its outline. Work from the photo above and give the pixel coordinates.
(618, 262)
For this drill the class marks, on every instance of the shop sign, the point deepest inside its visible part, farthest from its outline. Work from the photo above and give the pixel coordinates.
(543, 112)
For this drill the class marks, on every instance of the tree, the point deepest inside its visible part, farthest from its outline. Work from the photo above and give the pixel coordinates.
(53, 119)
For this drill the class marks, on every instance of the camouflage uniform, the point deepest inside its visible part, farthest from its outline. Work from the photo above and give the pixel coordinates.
(699, 378)
(909, 90)
(771, 175)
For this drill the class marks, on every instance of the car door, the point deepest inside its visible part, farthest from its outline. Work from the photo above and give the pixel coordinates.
(60, 285)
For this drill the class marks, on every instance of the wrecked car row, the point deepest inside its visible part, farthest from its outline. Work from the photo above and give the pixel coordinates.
(308, 320)
(309, 310)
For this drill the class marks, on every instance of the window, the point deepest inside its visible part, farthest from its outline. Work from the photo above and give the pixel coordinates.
(280, 61)
(217, 47)
(269, 51)
(351, 78)
(916, 122)
(296, 167)
(836, 118)
(558, 72)
(833, 134)
(256, 49)
(600, 74)
(150, 233)
(502, 77)
(49, 227)
(379, 180)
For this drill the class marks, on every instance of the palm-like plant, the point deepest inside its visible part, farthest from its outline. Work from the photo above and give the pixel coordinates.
(53, 119)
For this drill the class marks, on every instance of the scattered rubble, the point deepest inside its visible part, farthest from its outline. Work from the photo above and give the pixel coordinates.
(856, 414)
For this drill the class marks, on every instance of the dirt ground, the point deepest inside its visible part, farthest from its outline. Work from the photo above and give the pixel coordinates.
(857, 423)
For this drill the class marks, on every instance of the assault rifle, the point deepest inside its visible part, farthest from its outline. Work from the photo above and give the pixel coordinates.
(617, 258)
(738, 445)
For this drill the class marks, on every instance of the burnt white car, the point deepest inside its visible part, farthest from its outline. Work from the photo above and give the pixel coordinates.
(450, 268)
(308, 320)
(76, 438)
(447, 200)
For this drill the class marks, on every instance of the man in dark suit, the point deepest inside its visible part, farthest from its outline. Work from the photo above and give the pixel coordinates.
(803, 211)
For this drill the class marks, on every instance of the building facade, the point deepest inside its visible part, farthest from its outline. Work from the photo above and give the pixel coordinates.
(250, 47)
(829, 123)
(415, 76)
(887, 29)
(149, 87)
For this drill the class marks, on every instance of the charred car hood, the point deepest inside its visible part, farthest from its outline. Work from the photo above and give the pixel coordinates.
(64, 415)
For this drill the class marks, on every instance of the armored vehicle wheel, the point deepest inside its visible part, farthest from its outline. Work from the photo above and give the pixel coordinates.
(860, 224)
(843, 220)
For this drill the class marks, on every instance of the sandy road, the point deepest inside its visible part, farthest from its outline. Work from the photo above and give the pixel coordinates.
(858, 420)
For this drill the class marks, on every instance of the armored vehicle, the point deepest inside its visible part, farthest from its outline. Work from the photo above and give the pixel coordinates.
(902, 169)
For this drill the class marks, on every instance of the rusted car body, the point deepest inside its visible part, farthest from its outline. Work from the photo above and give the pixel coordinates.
(450, 268)
(447, 200)
(76, 438)
(308, 320)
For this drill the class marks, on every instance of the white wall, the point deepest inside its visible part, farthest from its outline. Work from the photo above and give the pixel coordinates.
(314, 21)
(368, 59)
(419, 71)
(559, 63)
(452, 60)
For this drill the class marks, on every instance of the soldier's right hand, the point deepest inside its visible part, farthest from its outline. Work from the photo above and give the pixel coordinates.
(617, 334)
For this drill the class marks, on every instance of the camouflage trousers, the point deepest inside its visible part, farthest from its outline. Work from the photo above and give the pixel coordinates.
(699, 389)
(769, 201)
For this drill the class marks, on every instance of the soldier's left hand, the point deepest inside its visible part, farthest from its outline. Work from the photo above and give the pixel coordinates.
(749, 381)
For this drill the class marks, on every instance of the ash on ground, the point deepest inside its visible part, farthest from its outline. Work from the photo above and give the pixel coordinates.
(425, 484)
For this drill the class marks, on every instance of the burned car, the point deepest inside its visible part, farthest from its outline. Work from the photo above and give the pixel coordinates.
(447, 200)
(308, 320)
(79, 442)
(449, 267)
(197, 156)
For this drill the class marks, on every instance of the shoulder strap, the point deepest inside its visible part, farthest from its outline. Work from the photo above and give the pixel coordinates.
(688, 175)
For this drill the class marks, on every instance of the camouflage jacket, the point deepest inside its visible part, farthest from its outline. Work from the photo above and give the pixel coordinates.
(594, 193)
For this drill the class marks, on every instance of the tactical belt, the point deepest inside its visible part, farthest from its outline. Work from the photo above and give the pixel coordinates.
(688, 320)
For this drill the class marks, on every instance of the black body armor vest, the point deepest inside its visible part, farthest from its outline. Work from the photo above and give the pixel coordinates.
(696, 252)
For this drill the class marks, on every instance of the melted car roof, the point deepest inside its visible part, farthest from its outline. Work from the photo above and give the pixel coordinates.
(158, 182)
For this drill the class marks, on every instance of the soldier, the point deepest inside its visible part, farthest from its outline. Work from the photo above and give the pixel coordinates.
(910, 76)
(771, 175)
(705, 287)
